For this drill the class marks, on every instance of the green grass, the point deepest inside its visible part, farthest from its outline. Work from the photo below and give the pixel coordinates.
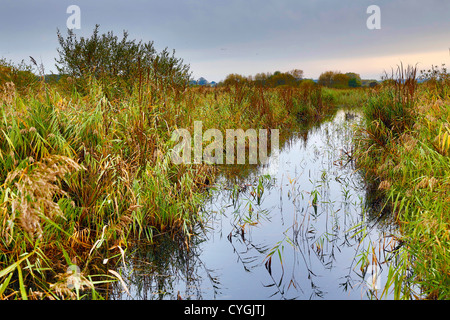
(403, 147)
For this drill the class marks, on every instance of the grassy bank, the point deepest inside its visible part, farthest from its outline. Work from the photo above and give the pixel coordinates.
(403, 147)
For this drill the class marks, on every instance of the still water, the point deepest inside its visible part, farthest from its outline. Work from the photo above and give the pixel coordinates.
(299, 228)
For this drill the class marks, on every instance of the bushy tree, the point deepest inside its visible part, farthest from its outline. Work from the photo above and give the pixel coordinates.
(297, 74)
(260, 79)
(340, 81)
(234, 79)
(326, 78)
(337, 79)
(280, 79)
(354, 80)
(125, 61)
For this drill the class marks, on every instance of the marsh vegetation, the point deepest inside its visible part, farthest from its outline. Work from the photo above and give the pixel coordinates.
(88, 192)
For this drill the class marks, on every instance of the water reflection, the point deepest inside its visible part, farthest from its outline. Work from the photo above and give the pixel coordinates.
(305, 231)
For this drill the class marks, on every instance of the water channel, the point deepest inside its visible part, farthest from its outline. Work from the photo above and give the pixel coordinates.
(301, 227)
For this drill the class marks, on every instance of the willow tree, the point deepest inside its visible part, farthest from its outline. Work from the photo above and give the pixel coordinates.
(122, 63)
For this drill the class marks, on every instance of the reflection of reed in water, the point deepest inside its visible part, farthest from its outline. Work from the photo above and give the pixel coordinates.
(167, 269)
(303, 232)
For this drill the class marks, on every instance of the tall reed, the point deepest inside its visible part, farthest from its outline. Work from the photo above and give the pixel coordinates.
(403, 148)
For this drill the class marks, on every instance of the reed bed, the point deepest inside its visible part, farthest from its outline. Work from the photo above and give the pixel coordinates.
(86, 168)
(403, 148)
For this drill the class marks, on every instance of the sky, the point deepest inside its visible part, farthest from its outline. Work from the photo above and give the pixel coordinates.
(219, 37)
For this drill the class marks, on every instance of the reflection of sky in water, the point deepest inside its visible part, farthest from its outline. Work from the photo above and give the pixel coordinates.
(318, 253)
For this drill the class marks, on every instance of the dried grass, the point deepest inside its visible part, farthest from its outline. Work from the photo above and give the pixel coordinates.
(36, 189)
(9, 93)
(409, 142)
(384, 185)
(427, 182)
(68, 281)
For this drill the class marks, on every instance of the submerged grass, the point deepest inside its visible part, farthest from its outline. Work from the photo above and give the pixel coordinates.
(403, 148)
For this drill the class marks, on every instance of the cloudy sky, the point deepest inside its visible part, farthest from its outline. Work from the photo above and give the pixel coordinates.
(219, 37)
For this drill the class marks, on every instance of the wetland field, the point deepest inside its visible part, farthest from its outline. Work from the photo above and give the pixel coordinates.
(351, 203)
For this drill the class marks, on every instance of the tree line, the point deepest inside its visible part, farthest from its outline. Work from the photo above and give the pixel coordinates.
(266, 79)
(331, 79)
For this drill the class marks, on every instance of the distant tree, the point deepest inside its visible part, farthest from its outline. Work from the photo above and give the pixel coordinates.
(340, 81)
(354, 83)
(260, 79)
(281, 79)
(307, 83)
(234, 79)
(335, 79)
(260, 76)
(278, 78)
(354, 80)
(297, 74)
(326, 78)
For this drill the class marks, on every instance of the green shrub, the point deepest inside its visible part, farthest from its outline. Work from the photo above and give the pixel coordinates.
(119, 63)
